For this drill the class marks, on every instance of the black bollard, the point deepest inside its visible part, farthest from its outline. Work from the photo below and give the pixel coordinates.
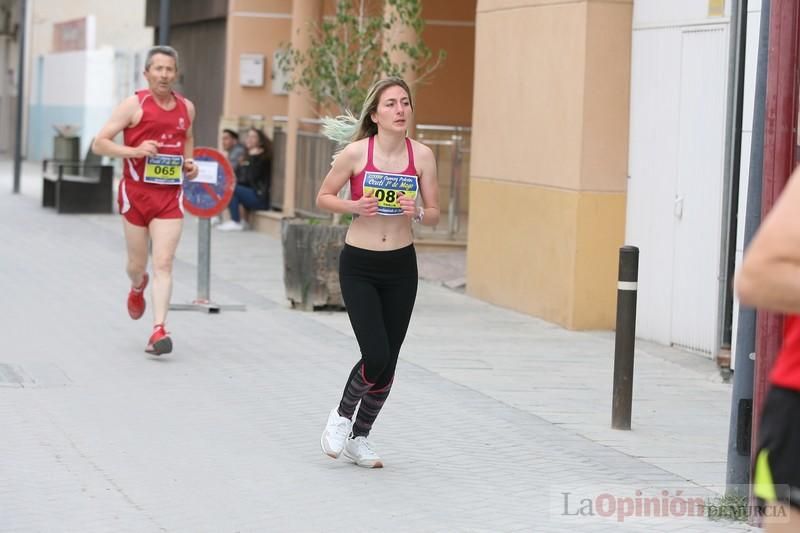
(625, 337)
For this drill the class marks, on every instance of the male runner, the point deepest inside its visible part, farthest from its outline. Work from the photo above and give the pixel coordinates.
(770, 279)
(157, 149)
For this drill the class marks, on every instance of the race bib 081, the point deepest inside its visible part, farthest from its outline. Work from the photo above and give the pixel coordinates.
(164, 169)
(387, 189)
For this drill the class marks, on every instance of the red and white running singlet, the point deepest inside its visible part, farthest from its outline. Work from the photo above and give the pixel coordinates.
(151, 186)
(786, 370)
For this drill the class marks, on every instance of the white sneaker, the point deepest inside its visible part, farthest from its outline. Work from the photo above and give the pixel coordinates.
(336, 431)
(230, 225)
(359, 450)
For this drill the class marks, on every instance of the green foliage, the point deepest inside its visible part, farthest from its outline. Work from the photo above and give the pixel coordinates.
(728, 507)
(352, 50)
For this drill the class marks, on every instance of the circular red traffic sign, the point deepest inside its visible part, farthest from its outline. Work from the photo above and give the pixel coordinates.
(208, 194)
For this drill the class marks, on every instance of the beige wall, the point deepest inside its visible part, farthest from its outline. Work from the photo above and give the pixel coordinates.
(549, 157)
(599, 233)
(528, 109)
(514, 258)
(446, 98)
(255, 27)
(607, 96)
(305, 15)
(260, 26)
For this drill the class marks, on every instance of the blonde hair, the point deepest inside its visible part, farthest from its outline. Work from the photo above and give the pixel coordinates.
(347, 128)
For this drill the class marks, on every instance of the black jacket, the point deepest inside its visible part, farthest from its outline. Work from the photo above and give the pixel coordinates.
(256, 172)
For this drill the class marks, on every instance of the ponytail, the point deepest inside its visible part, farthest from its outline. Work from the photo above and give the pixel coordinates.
(340, 129)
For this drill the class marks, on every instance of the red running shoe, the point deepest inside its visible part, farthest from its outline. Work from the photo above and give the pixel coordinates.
(136, 302)
(159, 342)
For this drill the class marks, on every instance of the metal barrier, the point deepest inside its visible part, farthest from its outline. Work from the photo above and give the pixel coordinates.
(450, 145)
(314, 156)
(278, 162)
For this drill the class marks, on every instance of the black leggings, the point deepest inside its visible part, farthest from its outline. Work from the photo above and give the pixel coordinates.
(379, 290)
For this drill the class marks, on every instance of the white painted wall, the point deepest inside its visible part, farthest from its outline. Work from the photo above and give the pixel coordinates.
(75, 88)
(64, 80)
(675, 192)
(699, 191)
(653, 170)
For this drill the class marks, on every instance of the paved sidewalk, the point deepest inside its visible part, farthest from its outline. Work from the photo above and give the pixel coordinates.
(497, 421)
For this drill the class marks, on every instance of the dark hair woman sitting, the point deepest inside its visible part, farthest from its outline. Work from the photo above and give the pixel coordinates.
(253, 180)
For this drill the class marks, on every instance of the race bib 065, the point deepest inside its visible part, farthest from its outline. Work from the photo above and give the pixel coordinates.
(164, 169)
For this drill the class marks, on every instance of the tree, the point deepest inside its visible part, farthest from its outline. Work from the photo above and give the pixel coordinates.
(356, 48)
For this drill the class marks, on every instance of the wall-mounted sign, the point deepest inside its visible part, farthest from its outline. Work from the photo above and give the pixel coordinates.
(251, 70)
(716, 8)
(77, 34)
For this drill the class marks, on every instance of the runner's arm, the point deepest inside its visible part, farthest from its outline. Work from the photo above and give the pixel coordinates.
(770, 274)
(120, 119)
(190, 170)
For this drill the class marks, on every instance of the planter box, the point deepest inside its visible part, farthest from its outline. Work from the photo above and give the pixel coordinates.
(311, 264)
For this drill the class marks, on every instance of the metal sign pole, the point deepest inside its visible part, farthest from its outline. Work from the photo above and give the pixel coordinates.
(203, 301)
(204, 197)
(203, 259)
(20, 96)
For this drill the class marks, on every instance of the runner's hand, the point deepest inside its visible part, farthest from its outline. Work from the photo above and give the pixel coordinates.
(366, 206)
(408, 205)
(190, 169)
(146, 148)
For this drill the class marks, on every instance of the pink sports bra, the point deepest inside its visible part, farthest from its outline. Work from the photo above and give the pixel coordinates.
(357, 181)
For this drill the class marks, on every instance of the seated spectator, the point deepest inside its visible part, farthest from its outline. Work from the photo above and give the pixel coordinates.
(233, 148)
(236, 153)
(253, 181)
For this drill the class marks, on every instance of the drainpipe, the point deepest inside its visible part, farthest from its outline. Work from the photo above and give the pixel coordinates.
(738, 466)
(163, 23)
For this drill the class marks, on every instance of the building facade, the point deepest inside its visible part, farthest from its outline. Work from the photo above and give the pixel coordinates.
(594, 123)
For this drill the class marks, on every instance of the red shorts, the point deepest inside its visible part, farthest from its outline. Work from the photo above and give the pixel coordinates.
(141, 203)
